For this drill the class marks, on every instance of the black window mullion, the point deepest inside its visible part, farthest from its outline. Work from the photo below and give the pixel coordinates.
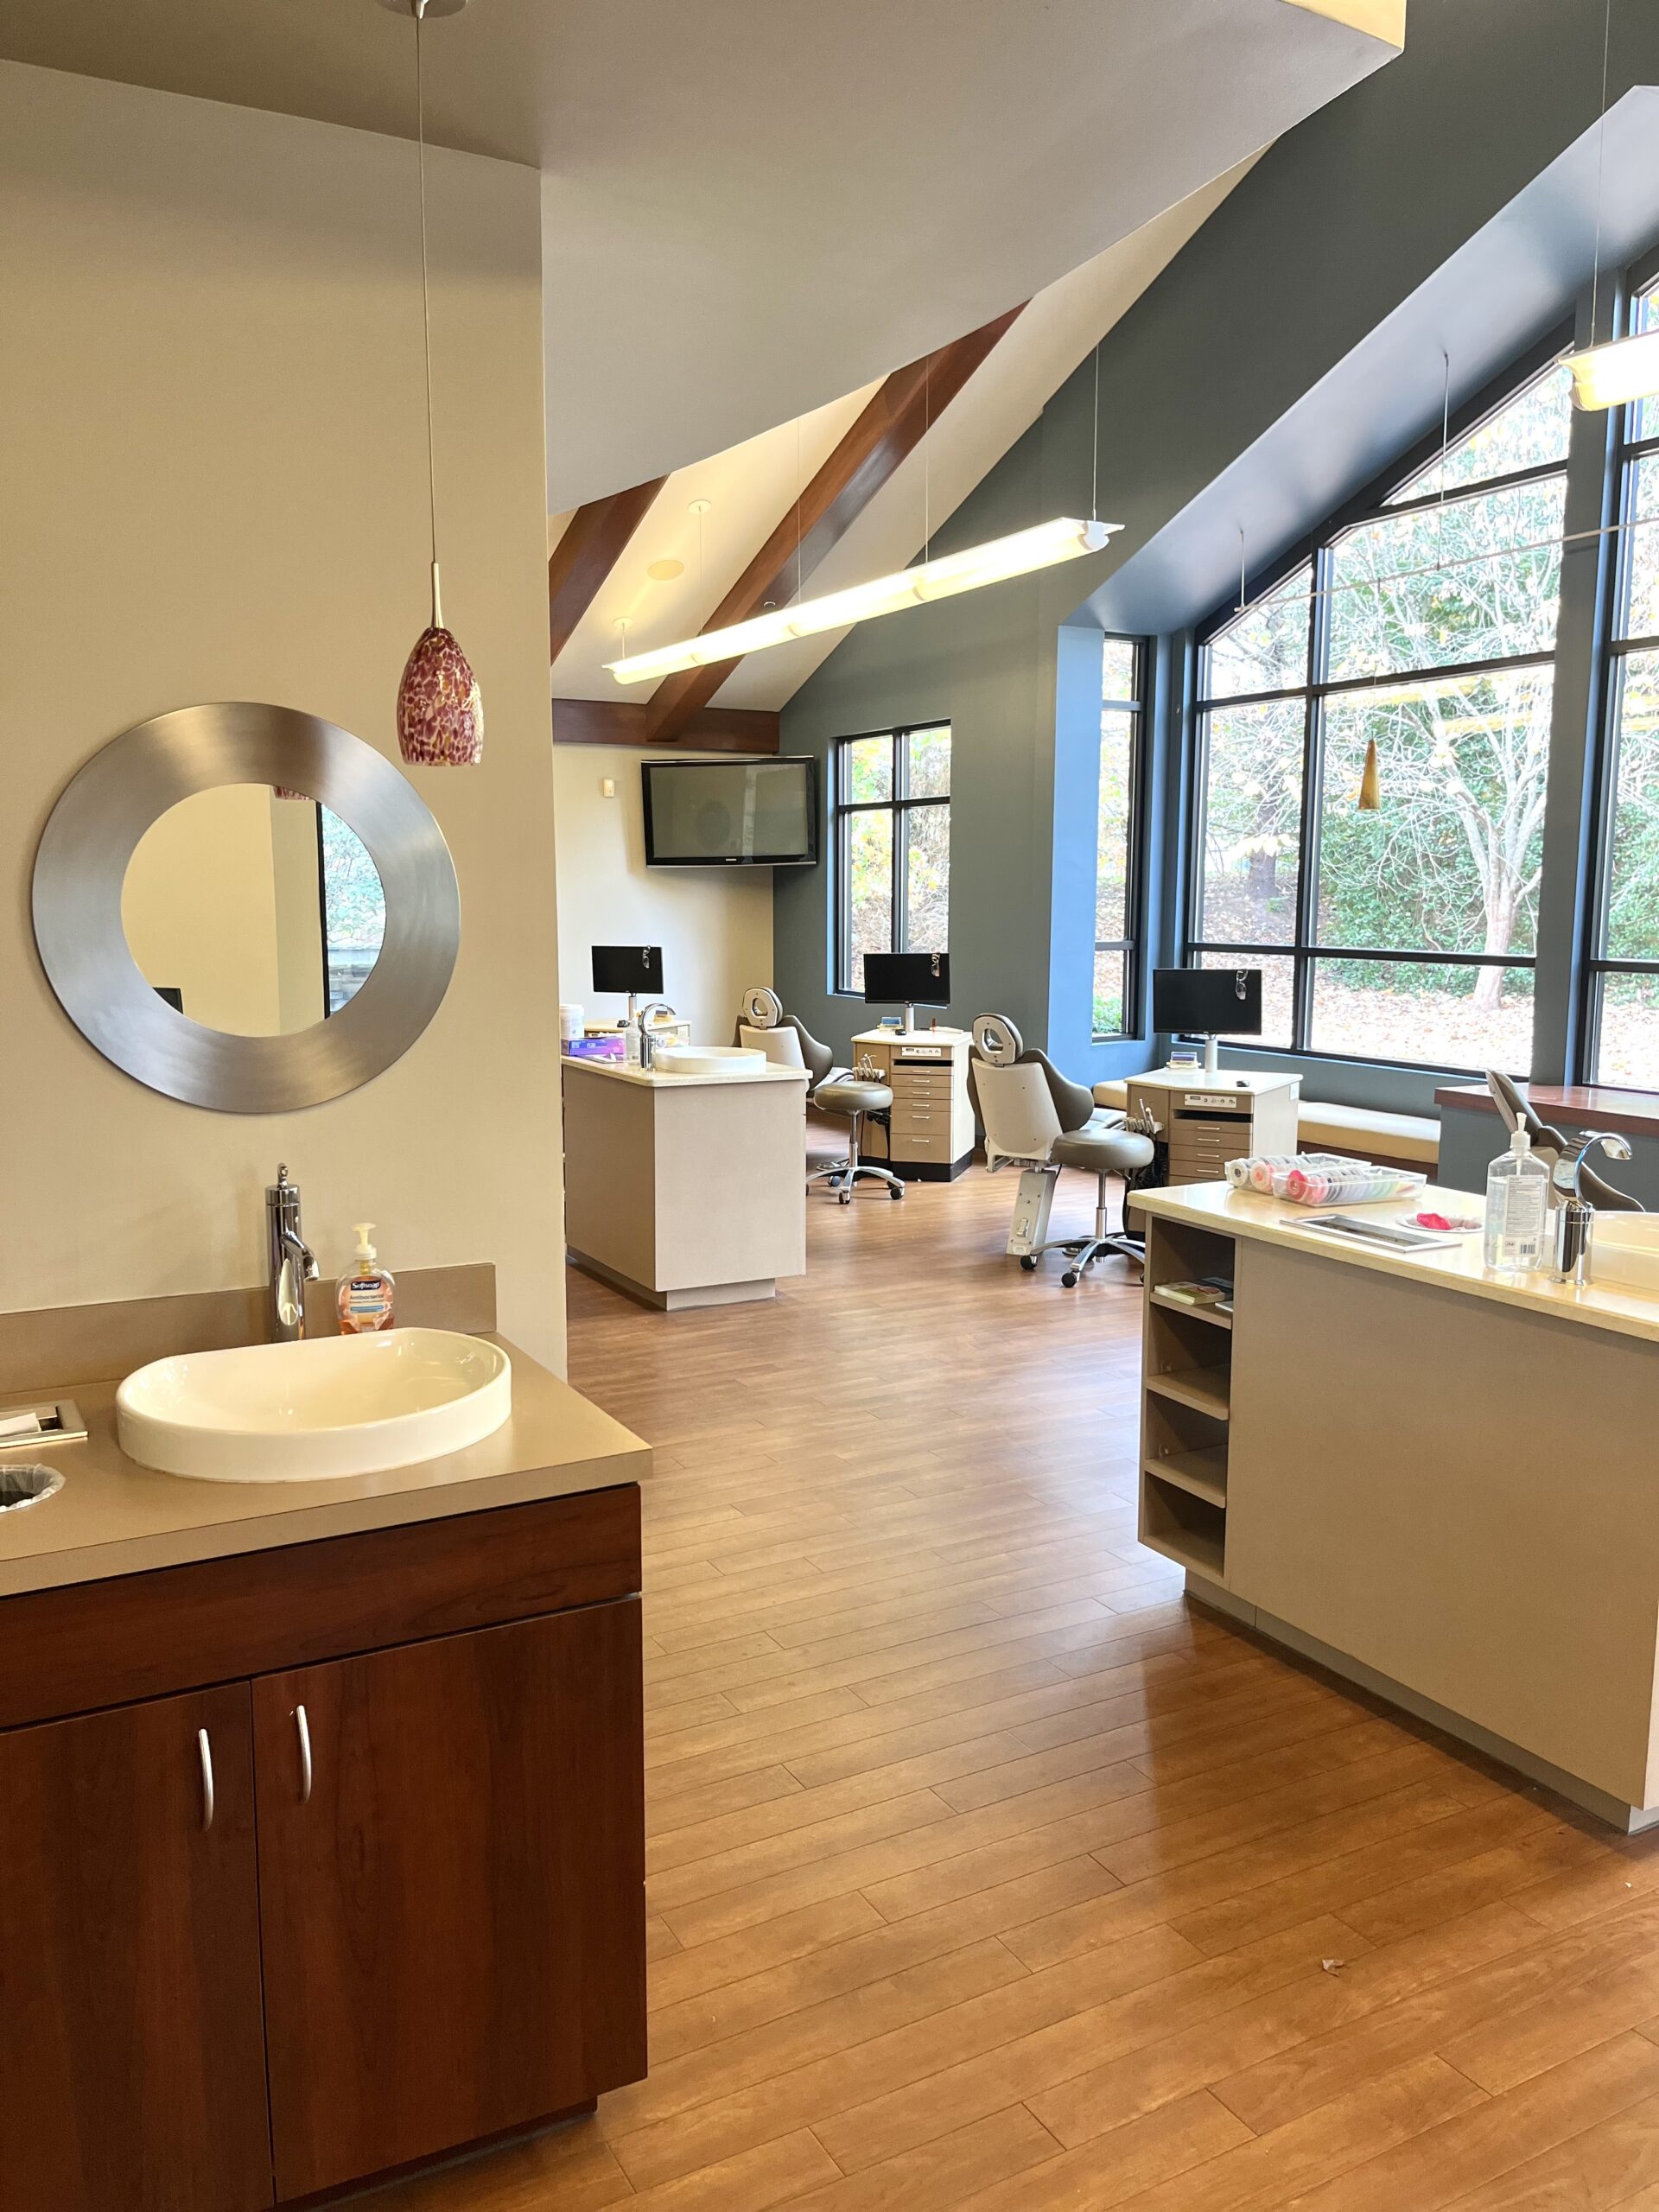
(1307, 878)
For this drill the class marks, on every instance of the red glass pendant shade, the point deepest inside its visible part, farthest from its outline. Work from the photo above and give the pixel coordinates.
(439, 711)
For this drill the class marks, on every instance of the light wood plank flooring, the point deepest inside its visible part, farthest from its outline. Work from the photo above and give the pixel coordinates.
(987, 1874)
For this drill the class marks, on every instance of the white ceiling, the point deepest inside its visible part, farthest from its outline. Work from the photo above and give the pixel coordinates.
(750, 486)
(755, 206)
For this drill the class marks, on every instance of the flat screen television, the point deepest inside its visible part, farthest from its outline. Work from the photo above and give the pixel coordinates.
(630, 968)
(1206, 1001)
(907, 979)
(732, 813)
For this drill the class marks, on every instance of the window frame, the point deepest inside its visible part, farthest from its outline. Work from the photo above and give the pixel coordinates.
(1129, 945)
(901, 805)
(1317, 552)
(1614, 650)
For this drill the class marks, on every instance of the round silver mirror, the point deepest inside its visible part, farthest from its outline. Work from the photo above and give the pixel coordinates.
(245, 907)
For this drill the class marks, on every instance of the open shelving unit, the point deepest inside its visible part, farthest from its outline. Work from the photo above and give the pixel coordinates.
(1186, 1402)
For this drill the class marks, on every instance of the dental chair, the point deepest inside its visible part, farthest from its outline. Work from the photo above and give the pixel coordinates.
(1551, 1146)
(764, 1026)
(1034, 1116)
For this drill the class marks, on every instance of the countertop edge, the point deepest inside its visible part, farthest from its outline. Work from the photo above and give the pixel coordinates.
(648, 1079)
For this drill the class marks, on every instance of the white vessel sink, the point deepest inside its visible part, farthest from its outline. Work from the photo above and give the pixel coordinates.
(333, 1406)
(708, 1059)
(1624, 1255)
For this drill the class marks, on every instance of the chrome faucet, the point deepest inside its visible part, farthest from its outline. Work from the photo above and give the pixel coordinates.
(292, 1262)
(1575, 1217)
(647, 1045)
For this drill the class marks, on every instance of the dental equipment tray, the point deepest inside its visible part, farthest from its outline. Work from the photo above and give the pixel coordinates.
(1388, 1236)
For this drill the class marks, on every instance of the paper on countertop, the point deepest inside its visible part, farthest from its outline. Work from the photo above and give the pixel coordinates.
(15, 1425)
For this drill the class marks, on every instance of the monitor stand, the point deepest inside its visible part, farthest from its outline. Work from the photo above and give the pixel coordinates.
(910, 1019)
(1212, 1055)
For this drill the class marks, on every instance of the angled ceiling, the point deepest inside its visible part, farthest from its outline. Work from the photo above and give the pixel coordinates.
(754, 206)
(749, 487)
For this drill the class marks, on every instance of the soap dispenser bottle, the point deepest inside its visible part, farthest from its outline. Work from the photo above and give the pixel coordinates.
(367, 1291)
(1518, 1209)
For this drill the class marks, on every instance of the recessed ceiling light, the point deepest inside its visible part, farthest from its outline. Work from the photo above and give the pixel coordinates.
(664, 572)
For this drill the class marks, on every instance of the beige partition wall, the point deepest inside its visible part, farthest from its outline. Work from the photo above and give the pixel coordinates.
(212, 452)
(1457, 1495)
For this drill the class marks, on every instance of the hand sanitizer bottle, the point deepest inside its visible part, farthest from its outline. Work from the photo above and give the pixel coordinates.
(365, 1293)
(1517, 1208)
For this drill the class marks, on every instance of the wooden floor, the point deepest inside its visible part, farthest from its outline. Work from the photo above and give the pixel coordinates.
(985, 1874)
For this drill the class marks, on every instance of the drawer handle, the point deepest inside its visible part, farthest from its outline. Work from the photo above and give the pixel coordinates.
(304, 1727)
(205, 1750)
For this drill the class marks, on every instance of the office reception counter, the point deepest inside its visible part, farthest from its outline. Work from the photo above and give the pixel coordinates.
(1436, 1482)
(685, 1189)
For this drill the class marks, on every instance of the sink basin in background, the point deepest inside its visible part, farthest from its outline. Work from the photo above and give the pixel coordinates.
(1624, 1255)
(294, 1413)
(708, 1059)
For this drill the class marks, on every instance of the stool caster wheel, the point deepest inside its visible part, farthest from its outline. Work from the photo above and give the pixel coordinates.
(1069, 1280)
(897, 1190)
(845, 1196)
(1028, 1263)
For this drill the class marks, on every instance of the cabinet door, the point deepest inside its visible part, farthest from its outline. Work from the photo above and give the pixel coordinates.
(132, 2073)
(453, 1921)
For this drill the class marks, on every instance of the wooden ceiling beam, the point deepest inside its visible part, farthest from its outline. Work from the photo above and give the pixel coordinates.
(889, 427)
(622, 721)
(592, 542)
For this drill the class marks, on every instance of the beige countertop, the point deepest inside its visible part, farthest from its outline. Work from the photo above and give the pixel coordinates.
(649, 1079)
(1447, 1266)
(913, 1037)
(113, 1516)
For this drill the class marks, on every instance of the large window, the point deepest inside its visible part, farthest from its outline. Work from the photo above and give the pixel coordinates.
(1624, 1024)
(893, 847)
(1114, 837)
(1424, 627)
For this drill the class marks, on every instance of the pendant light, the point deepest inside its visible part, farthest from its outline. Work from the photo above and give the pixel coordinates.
(439, 712)
(1623, 369)
(1370, 783)
(1067, 538)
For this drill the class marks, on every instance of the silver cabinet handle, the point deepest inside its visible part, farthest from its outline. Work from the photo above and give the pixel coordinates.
(304, 1727)
(205, 1750)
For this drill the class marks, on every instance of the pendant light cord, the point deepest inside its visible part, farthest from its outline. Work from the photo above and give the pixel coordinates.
(419, 9)
(1601, 153)
(927, 458)
(1094, 492)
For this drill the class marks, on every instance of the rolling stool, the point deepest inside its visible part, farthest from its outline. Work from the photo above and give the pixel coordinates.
(847, 1095)
(1103, 1153)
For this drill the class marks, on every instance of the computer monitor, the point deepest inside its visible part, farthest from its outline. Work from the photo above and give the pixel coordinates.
(907, 979)
(631, 967)
(1207, 1003)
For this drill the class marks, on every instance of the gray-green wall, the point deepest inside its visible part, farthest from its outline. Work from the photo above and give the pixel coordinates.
(1289, 351)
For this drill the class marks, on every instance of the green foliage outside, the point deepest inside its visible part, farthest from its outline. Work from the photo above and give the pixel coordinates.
(1450, 859)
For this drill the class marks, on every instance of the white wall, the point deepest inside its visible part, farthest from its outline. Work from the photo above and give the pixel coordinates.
(714, 925)
(212, 474)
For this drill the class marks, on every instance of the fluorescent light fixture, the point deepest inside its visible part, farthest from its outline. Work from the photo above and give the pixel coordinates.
(1608, 376)
(1062, 539)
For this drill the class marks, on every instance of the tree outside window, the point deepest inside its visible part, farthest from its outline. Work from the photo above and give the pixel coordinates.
(892, 845)
(1425, 628)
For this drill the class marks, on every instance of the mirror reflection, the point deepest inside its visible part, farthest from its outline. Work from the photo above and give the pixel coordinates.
(254, 910)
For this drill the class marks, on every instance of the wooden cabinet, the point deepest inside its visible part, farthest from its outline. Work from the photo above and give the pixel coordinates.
(132, 2067)
(930, 1132)
(414, 1923)
(1207, 1120)
(453, 1918)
